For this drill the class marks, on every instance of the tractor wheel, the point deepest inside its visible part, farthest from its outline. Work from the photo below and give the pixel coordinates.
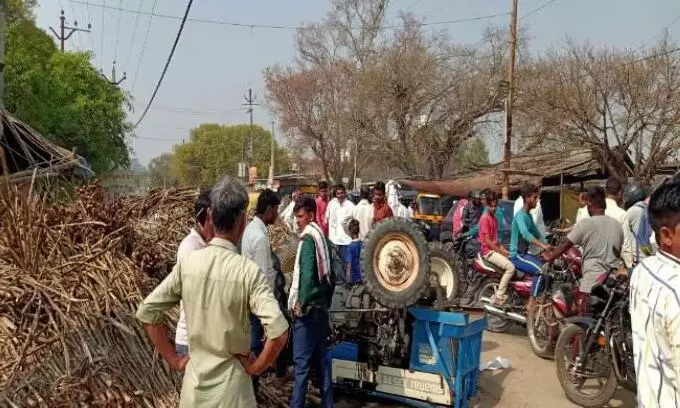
(395, 263)
(442, 265)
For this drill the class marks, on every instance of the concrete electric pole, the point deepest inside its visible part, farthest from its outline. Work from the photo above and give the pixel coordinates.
(271, 159)
(62, 36)
(507, 151)
(250, 102)
(113, 81)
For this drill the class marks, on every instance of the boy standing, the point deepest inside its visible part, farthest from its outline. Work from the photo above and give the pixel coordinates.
(655, 305)
(352, 256)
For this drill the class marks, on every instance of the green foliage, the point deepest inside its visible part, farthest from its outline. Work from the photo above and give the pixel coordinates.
(159, 172)
(64, 98)
(214, 151)
(472, 153)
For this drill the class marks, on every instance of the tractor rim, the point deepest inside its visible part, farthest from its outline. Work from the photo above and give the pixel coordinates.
(444, 273)
(396, 262)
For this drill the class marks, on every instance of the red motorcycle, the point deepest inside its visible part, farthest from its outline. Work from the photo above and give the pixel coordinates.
(560, 299)
(559, 285)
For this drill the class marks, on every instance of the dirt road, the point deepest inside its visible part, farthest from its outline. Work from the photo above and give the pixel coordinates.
(530, 382)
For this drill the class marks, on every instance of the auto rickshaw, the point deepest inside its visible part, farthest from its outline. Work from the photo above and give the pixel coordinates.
(428, 213)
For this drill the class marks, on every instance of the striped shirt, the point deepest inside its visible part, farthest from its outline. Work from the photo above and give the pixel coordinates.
(655, 315)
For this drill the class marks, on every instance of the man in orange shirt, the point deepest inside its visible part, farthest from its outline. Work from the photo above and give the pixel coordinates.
(380, 208)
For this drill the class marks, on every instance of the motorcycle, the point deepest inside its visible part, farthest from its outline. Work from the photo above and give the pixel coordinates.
(560, 299)
(598, 348)
(468, 279)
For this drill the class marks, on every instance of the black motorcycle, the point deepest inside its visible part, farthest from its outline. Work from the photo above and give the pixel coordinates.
(594, 354)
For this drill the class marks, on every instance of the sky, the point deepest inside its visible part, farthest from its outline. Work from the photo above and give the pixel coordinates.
(215, 64)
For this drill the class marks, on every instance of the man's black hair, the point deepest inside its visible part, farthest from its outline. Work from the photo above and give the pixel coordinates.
(306, 203)
(664, 207)
(340, 186)
(485, 192)
(613, 186)
(528, 189)
(353, 227)
(364, 193)
(267, 199)
(379, 186)
(490, 195)
(597, 197)
(201, 206)
(323, 184)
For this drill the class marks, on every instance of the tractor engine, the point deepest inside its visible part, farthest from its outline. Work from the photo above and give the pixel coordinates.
(380, 333)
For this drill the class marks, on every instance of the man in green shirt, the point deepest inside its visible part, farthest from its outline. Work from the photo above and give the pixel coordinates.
(310, 296)
(219, 288)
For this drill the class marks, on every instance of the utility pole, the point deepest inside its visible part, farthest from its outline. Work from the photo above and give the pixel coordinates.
(3, 6)
(271, 159)
(507, 153)
(250, 102)
(63, 36)
(113, 81)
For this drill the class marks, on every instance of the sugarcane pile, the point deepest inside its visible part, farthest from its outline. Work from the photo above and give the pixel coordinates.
(71, 277)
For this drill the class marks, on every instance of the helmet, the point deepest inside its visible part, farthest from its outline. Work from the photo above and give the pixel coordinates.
(632, 194)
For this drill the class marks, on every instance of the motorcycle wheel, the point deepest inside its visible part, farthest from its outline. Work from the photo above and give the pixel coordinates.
(565, 354)
(494, 324)
(541, 343)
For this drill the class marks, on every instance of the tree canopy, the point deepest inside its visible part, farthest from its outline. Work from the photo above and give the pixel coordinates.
(63, 97)
(214, 151)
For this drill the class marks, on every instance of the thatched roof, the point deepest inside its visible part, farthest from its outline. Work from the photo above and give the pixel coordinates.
(27, 153)
(547, 168)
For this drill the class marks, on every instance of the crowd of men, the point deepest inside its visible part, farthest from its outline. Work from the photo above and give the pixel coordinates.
(236, 319)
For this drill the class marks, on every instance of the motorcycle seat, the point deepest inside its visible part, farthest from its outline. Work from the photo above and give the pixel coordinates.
(488, 266)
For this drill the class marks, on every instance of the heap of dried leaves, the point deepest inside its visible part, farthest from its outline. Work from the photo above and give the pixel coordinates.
(71, 277)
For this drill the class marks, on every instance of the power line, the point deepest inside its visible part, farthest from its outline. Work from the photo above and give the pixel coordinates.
(287, 27)
(537, 9)
(141, 54)
(660, 54)
(115, 48)
(89, 19)
(134, 34)
(167, 64)
(101, 48)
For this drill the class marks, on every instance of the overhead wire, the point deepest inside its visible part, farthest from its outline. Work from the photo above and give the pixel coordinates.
(167, 65)
(134, 34)
(288, 27)
(101, 48)
(89, 20)
(115, 48)
(141, 54)
(537, 9)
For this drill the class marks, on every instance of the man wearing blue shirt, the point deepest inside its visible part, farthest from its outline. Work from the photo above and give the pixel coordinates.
(525, 233)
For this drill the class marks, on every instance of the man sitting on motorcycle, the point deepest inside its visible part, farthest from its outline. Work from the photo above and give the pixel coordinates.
(600, 238)
(491, 250)
(525, 233)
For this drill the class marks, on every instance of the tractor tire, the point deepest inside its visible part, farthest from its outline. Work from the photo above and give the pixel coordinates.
(395, 264)
(443, 267)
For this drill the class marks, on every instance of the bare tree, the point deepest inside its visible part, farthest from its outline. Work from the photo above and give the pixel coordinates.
(617, 102)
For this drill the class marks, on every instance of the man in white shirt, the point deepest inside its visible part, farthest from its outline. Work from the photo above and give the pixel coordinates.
(256, 247)
(198, 238)
(582, 212)
(362, 212)
(288, 215)
(655, 306)
(336, 213)
(614, 190)
(400, 210)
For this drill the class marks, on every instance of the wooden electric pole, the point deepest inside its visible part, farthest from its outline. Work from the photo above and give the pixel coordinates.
(62, 36)
(507, 151)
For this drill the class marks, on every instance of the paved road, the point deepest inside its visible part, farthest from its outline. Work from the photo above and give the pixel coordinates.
(530, 382)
